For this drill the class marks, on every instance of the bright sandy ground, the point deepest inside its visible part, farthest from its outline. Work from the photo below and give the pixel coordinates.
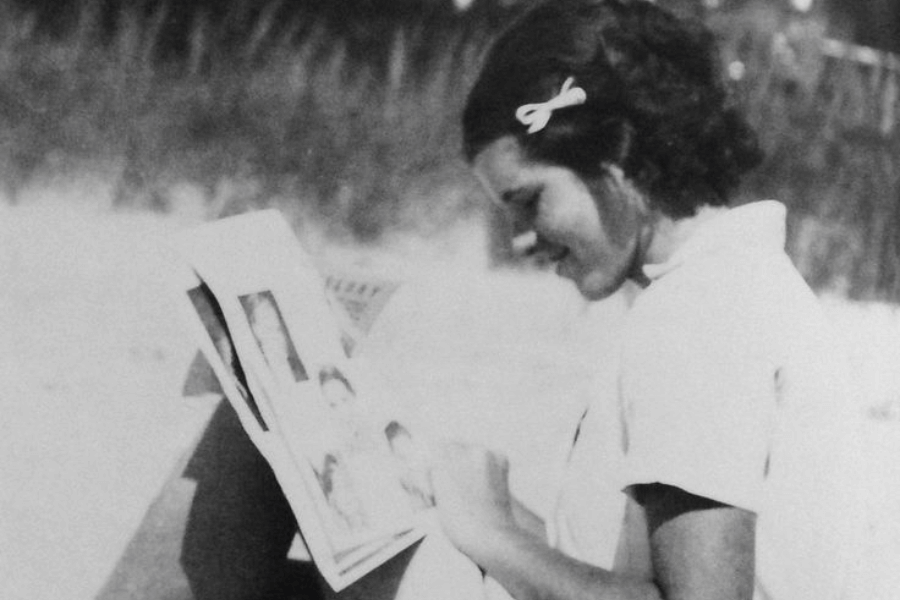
(92, 362)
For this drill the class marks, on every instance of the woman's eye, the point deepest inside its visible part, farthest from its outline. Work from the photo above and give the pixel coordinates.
(523, 206)
(531, 201)
(528, 209)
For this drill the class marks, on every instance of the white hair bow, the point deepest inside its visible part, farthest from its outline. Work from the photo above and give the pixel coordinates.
(536, 116)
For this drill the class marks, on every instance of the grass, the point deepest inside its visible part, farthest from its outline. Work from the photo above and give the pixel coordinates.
(358, 126)
(358, 132)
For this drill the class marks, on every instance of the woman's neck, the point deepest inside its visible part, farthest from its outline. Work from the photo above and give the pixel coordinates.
(667, 235)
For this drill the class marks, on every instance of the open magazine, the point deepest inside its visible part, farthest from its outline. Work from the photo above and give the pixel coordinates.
(279, 336)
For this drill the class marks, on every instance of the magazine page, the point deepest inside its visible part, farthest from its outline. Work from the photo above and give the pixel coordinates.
(326, 420)
(203, 314)
(353, 485)
(357, 298)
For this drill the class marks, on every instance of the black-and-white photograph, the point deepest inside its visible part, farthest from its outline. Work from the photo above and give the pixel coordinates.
(501, 299)
(412, 463)
(211, 315)
(272, 335)
(341, 494)
(361, 457)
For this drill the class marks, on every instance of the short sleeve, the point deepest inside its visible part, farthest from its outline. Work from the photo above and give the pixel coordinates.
(697, 393)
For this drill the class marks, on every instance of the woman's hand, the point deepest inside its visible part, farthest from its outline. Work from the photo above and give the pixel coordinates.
(472, 494)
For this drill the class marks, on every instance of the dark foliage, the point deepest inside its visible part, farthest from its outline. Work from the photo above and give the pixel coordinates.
(355, 121)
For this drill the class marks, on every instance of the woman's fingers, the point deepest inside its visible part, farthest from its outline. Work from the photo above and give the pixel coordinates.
(471, 493)
(471, 490)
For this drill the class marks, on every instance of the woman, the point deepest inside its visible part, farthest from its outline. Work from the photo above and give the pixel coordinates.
(602, 127)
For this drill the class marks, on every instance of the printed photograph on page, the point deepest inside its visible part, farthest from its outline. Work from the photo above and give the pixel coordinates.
(370, 471)
(210, 315)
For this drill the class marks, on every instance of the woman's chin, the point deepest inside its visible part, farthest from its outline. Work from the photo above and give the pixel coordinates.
(593, 285)
(597, 293)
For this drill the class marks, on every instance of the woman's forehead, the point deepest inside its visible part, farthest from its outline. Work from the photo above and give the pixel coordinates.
(502, 165)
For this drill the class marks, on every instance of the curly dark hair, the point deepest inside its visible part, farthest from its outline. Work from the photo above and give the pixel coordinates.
(656, 106)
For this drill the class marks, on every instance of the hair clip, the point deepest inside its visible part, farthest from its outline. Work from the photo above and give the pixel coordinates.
(536, 116)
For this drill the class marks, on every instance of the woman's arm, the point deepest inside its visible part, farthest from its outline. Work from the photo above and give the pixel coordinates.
(698, 549)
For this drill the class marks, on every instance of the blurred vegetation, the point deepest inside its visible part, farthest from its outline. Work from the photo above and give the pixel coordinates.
(350, 116)
(829, 126)
(350, 119)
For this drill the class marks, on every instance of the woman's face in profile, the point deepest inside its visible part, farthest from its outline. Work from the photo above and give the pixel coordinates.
(557, 220)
